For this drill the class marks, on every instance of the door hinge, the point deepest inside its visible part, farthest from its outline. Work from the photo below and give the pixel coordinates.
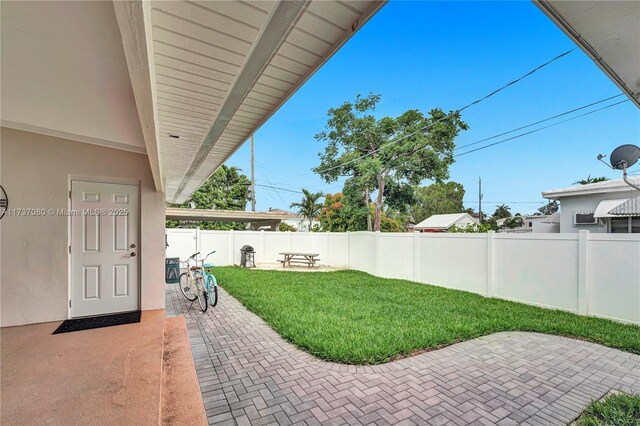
(69, 249)
(69, 194)
(69, 303)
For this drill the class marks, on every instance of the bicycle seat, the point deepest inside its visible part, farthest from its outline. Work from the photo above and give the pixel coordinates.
(195, 268)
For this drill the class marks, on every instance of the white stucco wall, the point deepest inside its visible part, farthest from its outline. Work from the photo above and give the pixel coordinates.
(35, 171)
(569, 205)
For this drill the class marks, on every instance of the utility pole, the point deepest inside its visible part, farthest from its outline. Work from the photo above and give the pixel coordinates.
(253, 180)
(480, 199)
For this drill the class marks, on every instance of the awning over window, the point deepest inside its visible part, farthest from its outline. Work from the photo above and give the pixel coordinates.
(605, 206)
(630, 207)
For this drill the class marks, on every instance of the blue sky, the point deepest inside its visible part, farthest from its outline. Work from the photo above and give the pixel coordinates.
(446, 54)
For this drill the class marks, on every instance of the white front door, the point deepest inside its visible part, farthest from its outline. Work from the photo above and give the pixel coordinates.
(104, 248)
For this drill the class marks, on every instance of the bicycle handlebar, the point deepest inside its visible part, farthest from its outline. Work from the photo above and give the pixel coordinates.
(193, 256)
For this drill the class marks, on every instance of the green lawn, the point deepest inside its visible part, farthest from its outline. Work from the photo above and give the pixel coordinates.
(614, 410)
(355, 318)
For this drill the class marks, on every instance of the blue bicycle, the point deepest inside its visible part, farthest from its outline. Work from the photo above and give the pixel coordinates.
(210, 281)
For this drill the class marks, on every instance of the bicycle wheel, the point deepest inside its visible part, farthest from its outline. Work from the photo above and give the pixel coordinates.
(212, 285)
(201, 292)
(187, 287)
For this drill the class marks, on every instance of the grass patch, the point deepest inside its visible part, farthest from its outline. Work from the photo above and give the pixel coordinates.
(355, 318)
(613, 410)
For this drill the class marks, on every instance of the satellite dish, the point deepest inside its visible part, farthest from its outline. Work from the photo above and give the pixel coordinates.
(624, 156)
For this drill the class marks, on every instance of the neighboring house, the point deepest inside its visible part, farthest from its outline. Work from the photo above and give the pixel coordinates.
(444, 222)
(300, 223)
(611, 206)
(541, 224)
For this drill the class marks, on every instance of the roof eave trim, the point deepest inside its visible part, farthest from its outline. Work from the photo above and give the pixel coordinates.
(135, 29)
(557, 18)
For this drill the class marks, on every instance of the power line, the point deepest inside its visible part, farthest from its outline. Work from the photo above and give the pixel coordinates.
(539, 129)
(539, 121)
(285, 185)
(505, 202)
(477, 101)
(278, 189)
(277, 193)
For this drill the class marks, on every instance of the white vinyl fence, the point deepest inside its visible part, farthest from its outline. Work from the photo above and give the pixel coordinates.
(589, 274)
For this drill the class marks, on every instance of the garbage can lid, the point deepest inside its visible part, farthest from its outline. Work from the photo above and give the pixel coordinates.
(247, 248)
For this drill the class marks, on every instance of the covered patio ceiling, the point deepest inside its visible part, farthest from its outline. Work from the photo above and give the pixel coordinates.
(608, 31)
(206, 75)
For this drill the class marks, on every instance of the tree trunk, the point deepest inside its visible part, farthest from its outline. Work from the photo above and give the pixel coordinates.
(366, 204)
(378, 204)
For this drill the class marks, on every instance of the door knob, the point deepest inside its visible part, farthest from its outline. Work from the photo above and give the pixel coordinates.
(133, 254)
(132, 246)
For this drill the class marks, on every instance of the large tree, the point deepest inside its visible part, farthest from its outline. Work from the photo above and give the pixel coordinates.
(226, 189)
(309, 207)
(437, 198)
(386, 156)
(339, 214)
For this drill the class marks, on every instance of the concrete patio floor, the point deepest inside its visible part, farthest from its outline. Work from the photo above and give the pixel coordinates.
(103, 376)
(248, 374)
(133, 374)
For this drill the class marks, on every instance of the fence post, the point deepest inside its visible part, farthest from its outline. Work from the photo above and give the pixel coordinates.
(231, 247)
(198, 237)
(348, 250)
(583, 281)
(416, 256)
(490, 266)
(262, 246)
(376, 267)
(328, 248)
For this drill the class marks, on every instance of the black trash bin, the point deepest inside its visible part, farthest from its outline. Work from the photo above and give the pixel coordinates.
(172, 270)
(247, 259)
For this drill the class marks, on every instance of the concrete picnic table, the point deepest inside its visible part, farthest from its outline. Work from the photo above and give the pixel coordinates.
(290, 257)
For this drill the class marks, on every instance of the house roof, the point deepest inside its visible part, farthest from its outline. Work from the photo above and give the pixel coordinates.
(608, 32)
(443, 221)
(291, 215)
(610, 186)
(178, 213)
(631, 207)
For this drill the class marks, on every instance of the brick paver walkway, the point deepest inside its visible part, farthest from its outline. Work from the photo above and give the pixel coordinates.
(249, 375)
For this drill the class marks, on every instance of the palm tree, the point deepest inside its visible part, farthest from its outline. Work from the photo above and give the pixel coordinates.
(309, 207)
(589, 180)
(502, 211)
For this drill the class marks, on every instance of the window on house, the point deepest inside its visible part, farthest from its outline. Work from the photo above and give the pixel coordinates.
(584, 218)
(619, 225)
(625, 225)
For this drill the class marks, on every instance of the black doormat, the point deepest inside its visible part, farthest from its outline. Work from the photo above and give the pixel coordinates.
(79, 324)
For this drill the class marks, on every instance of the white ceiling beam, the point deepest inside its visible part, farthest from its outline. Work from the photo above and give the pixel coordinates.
(134, 21)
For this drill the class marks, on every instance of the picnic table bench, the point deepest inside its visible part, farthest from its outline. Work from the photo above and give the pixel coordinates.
(290, 257)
